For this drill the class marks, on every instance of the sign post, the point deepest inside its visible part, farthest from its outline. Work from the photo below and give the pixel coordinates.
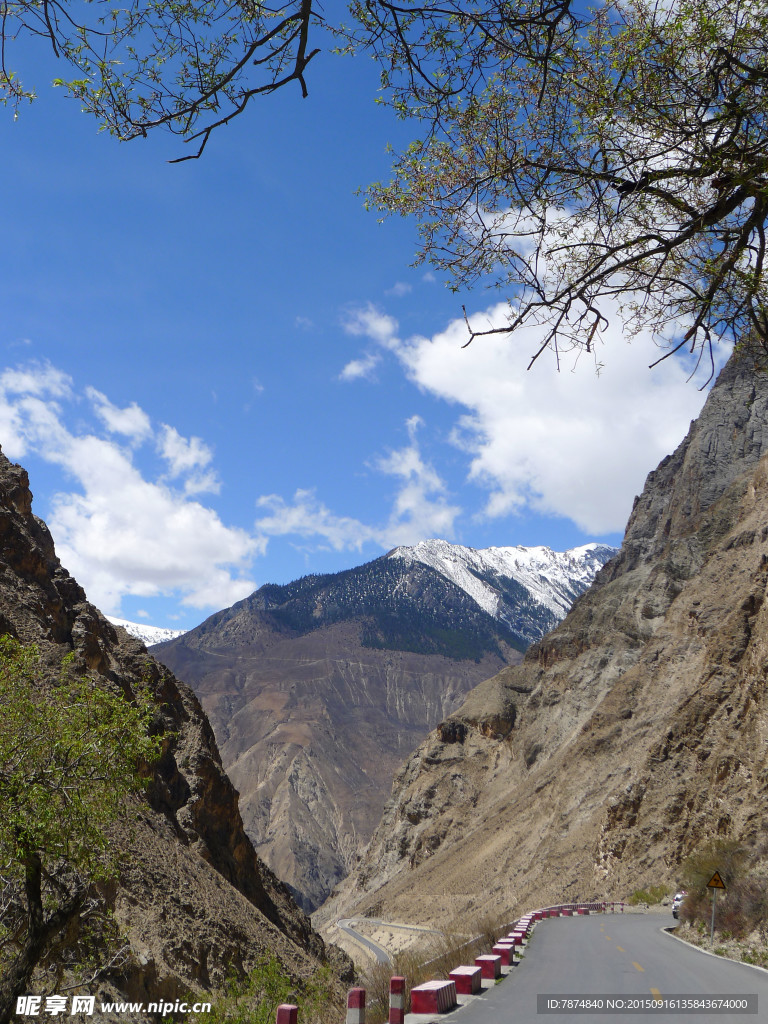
(714, 884)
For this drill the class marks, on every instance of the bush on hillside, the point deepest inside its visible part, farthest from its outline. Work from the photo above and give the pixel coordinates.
(742, 908)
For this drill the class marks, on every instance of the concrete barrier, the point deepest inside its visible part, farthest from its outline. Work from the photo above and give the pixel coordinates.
(397, 1000)
(287, 1013)
(356, 1006)
(506, 952)
(468, 980)
(433, 997)
(490, 965)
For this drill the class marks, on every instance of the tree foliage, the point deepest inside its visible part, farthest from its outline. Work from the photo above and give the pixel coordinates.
(71, 753)
(189, 66)
(255, 998)
(586, 160)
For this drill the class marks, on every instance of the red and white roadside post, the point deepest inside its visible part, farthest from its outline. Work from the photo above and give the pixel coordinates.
(356, 1006)
(397, 1000)
(287, 1013)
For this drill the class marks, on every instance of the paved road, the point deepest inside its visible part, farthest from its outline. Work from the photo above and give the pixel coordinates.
(381, 954)
(614, 955)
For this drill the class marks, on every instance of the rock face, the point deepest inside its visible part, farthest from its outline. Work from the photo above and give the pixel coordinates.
(319, 689)
(193, 900)
(632, 733)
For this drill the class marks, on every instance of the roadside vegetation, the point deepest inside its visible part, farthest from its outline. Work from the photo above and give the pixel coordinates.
(254, 999)
(741, 911)
(652, 895)
(72, 756)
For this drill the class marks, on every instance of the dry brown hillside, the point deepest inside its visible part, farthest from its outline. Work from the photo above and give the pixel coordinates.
(193, 902)
(633, 732)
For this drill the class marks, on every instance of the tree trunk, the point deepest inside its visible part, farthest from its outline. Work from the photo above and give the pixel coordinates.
(15, 981)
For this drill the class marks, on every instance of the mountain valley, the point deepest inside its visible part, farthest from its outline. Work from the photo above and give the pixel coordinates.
(318, 690)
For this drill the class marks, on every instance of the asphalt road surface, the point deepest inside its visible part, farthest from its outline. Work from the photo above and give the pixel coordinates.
(381, 955)
(616, 956)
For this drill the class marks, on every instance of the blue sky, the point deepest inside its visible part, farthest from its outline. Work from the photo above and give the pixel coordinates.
(226, 372)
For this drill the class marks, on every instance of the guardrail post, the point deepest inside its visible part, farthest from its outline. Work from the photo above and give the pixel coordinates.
(397, 1000)
(287, 1013)
(356, 1006)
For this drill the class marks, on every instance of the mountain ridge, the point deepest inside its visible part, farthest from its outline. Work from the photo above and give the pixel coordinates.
(147, 634)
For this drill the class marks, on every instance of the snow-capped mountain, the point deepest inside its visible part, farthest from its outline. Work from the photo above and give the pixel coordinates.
(147, 634)
(553, 579)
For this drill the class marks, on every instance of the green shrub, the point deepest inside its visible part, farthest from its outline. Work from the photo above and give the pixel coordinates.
(742, 908)
(654, 894)
(73, 754)
(255, 998)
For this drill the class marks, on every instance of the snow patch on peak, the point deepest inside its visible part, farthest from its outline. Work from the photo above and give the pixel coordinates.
(147, 634)
(554, 579)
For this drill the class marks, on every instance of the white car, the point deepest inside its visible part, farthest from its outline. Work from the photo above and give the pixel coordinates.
(676, 902)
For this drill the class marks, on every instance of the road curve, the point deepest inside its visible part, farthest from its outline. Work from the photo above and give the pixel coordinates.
(381, 954)
(614, 955)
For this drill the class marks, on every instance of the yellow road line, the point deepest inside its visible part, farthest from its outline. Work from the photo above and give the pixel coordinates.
(655, 993)
(621, 950)
(637, 965)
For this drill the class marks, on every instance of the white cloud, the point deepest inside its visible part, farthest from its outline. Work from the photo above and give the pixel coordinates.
(36, 378)
(362, 368)
(132, 421)
(420, 508)
(306, 516)
(371, 323)
(119, 533)
(399, 289)
(190, 457)
(29, 404)
(573, 443)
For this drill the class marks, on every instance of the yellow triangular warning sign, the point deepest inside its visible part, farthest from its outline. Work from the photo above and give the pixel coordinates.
(716, 882)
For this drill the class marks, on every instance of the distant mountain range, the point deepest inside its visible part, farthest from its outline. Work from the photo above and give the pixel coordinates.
(317, 690)
(437, 598)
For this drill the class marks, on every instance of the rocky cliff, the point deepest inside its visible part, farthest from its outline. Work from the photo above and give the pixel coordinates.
(193, 902)
(631, 734)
